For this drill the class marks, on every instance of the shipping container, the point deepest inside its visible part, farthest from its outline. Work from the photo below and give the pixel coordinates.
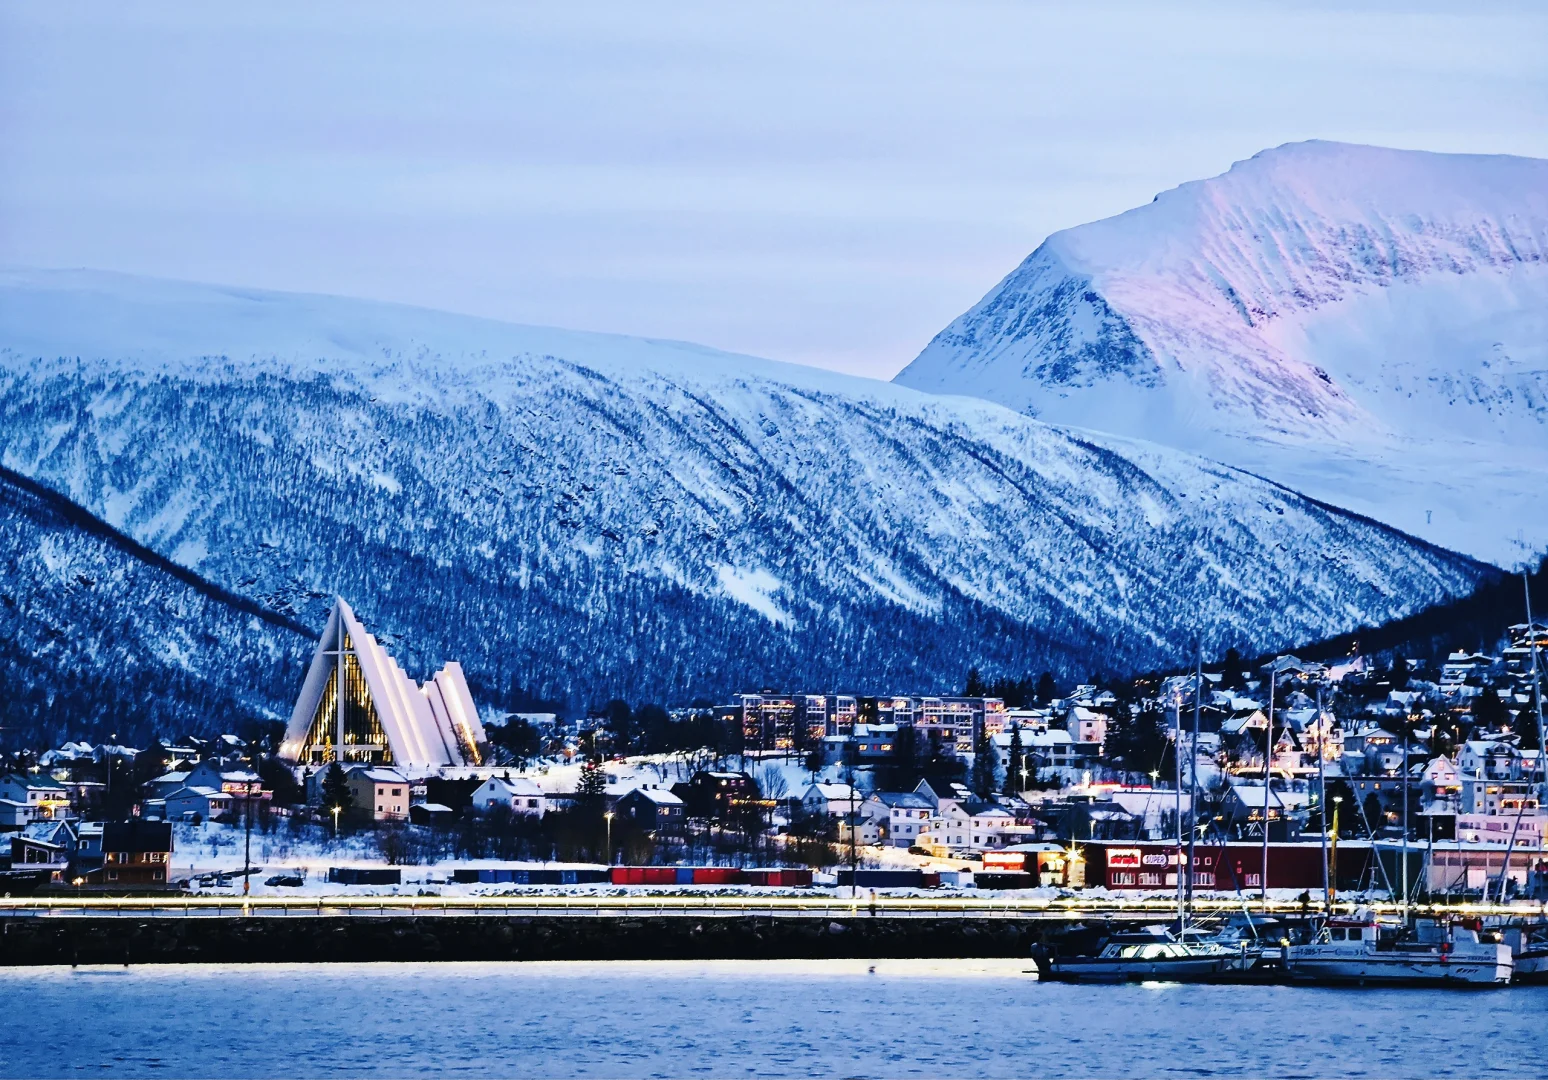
(365, 875)
(717, 875)
(881, 879)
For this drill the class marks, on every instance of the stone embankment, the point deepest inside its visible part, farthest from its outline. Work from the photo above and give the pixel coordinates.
(357, 938)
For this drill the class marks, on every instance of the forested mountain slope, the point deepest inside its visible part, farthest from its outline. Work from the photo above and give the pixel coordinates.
(582, 516)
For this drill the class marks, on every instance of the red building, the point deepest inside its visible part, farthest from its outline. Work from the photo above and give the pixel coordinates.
(1221, 867)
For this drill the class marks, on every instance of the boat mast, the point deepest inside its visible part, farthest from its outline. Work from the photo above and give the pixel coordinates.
(1193, 771)
(1268, 758)
(1408, 727)
(1537, 698)
(1177, 793)
(1322, 798)
(1542, 754)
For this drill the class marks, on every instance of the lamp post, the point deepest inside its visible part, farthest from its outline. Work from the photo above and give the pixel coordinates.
(336, 810)
(608, 817)
(1333, 857)
(247, 838)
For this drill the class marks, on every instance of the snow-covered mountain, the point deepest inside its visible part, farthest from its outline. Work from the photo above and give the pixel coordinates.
(1367, 326)
(580, 515)
(100, 637)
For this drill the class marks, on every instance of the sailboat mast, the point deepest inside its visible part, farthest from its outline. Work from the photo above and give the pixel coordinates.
(1177, 792)
(1268, 759)
(1193, 770)
(1542, 752)
(1537, 699)
(1322, 798)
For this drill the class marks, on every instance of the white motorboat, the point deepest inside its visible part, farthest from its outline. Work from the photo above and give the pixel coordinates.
(1361, 951)
(1156, 957)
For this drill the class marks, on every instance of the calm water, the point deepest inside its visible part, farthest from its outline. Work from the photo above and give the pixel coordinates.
(774, 1018)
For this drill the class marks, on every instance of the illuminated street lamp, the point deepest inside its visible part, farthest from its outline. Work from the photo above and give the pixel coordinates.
(608, 817)
(1155, 774)
(336, 810)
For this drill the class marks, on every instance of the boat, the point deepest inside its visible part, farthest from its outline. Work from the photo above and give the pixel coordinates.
(1155, 955)
(1361, 951)
(1529, 947)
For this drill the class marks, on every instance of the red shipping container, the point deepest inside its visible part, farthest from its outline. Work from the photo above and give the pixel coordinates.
(717, 875)
(658, 875)
(618, 875)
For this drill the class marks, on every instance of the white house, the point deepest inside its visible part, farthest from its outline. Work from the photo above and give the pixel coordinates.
(518, 794)
(25, 799)
(903, 816)
(830, 800)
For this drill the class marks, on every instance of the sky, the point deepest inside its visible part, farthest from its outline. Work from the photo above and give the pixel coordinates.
(828, 183)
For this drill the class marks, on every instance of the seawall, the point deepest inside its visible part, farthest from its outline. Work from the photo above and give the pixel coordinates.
(358, 938)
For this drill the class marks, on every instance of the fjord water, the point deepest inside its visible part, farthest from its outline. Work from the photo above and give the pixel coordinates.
(764, 1018)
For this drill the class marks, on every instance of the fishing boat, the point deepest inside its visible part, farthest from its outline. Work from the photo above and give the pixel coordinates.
(1156, 955)
(1361, 951)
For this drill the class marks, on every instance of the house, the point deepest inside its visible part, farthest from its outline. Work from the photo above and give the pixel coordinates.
(378, 793)
(1244, 804)
(1440, 784)
(243, 785)
(902, 816)
(429, 813)
(44, 848)
(1483, 760)
(970, 826)
(830, 800)
(517, 794)
(1057, 749)
(867, 832)
(713, 795)
(1086, 726)
(166, 784)
(200, 803)
(133, 853)
(25, 799)
(653, 809)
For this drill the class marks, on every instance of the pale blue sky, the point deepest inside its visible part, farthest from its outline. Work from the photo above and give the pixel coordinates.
(823, 182)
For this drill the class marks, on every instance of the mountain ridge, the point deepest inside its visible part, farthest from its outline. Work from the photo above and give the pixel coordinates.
(620, 517)
(1339, 318)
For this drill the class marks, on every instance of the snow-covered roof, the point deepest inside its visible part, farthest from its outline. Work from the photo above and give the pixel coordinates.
(901, 799)
(659, 796)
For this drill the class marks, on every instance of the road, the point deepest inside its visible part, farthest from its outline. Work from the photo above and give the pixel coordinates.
(1066, 909)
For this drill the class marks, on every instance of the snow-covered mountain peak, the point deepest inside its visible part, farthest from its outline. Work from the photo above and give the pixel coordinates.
(1331, 300)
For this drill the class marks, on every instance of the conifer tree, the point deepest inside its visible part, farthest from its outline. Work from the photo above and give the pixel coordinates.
(1013, 778)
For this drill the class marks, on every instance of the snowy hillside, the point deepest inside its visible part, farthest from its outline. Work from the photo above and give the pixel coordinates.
(98, 637)
(1367, 326)
(588, 516)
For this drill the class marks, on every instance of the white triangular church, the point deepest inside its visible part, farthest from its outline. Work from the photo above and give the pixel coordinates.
(382, 717)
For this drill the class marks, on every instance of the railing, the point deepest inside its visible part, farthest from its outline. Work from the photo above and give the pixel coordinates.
(666, 904)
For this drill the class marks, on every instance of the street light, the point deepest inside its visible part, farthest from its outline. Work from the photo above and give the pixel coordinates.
(336, 810)
(247, 843)
(1155, 775)
(608, 817)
